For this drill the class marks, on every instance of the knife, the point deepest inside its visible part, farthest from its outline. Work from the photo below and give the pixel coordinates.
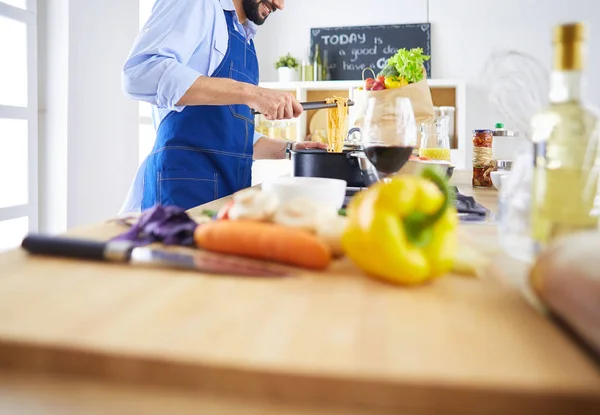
(127, 252)
(315, 105)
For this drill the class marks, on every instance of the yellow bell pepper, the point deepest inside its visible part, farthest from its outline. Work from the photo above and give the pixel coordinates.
(391, 82)
(403, 231)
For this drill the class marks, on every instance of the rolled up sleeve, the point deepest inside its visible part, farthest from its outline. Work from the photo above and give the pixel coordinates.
(156, 70)
(257, 135)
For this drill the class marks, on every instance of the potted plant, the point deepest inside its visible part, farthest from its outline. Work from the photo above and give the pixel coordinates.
(287, 68)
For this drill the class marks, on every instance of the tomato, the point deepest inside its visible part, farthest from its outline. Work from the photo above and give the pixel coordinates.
(378, 86)
(381, 79)
(369, 83)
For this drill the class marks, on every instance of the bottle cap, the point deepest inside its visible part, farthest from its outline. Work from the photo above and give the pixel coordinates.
(499, 125)
(570, 32)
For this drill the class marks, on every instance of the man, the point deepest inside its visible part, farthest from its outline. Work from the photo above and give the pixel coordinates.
(195, 62)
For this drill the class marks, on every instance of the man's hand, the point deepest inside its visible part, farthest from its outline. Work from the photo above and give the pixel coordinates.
(274, 104)
(306, 145)
(274, 149)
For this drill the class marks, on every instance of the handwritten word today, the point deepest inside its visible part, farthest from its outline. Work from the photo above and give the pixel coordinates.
(344, 39)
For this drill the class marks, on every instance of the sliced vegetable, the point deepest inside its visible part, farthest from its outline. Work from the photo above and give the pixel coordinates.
(252, 204)
(266, 241)
(330, 228)
(210, 213)
(224, 211)
(298, 213)
(469, 262)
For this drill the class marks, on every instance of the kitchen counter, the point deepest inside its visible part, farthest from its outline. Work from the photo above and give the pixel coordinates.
(84, 337)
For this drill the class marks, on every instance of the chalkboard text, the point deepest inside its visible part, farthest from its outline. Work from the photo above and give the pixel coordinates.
(351, 50)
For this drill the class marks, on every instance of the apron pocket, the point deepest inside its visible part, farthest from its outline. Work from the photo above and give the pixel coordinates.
(241, 111)
(186, 189)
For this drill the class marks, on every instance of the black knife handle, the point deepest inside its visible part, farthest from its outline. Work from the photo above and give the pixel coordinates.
(66, 247)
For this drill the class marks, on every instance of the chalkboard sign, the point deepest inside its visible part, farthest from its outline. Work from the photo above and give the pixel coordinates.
(349, 50)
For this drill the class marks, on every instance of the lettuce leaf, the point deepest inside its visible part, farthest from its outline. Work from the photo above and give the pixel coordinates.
(407, 64)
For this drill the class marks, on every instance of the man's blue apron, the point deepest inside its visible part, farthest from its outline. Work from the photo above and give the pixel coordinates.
(205, 152)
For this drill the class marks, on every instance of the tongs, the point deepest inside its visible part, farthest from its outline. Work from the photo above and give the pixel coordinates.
(315, 105)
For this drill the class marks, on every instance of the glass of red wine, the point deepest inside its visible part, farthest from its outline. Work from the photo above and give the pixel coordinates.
(388, 133)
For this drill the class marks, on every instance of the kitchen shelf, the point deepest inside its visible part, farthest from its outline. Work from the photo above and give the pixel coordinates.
(445, 92)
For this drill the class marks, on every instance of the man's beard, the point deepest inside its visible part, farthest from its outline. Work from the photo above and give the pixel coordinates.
(252, 10)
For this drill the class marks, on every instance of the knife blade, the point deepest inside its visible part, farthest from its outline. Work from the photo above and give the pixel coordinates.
(315, 105)
(127, 252)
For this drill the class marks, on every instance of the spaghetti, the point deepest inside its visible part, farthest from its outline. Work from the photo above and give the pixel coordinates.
(337, 124)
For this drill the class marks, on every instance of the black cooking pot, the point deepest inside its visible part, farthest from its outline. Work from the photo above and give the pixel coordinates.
(350, 165)
(321, 163)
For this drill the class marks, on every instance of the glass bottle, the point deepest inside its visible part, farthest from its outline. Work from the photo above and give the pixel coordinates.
(307, 67)
(566, 156)
(325, 72)
(317, 64)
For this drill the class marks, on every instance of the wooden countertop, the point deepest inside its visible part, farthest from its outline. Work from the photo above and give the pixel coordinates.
(323, 341)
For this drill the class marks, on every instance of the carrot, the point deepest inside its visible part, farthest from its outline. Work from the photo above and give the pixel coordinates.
(264, 240)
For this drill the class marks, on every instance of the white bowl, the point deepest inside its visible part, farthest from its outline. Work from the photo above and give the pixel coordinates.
(496, 177)
(320, 190)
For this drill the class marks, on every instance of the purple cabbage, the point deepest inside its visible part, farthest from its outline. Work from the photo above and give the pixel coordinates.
(169, 225)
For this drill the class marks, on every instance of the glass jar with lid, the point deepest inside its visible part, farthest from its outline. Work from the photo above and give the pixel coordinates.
(505, 143)
(483, 162)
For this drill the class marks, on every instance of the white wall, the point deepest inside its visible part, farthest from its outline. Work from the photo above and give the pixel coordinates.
(464, 33)
(88, 128)
(289, 30)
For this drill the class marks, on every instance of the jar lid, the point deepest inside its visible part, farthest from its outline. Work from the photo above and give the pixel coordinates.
(505, 133)
(482, 131)
(504, 164)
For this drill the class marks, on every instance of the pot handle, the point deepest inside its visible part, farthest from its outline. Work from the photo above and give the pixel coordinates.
(352, 131)
(353, 155)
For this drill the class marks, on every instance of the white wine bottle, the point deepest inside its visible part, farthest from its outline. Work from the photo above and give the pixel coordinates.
(566, 153)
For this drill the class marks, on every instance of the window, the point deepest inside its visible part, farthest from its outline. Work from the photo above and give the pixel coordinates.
(147, 134)
(18, 121)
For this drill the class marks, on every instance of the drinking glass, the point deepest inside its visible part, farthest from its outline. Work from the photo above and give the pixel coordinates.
(388, 134)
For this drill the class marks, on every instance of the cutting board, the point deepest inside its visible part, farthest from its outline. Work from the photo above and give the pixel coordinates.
(459, 345)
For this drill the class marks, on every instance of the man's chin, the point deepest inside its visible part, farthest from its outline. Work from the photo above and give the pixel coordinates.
(258, 20)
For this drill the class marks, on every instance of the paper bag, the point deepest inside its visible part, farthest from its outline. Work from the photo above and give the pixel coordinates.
(420, 98)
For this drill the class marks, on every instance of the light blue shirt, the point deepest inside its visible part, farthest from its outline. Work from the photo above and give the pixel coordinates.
(182, 40)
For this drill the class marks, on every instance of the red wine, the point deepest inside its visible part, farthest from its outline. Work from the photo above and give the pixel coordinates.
(388, 159)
